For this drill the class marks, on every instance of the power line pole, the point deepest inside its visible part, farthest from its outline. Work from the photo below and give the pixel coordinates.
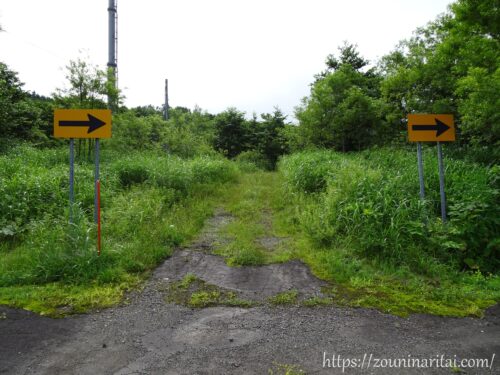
(112, 65)
(165, 106)
(112, 48)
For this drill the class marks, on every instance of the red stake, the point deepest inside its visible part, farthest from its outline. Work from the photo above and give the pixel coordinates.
(98, 217)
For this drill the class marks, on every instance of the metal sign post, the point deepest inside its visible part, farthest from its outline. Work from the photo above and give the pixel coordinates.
(71, 177)
(83, 123)
(420, 170)
(431, 128)
(441, 182)
(96, 178)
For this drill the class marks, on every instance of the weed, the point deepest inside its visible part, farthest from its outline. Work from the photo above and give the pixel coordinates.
(285, 369)
(284, 298)
(192, 291)
(317, 301)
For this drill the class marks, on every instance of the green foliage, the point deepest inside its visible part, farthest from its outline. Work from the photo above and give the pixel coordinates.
(252, 161)
(134, 133)
(479, 106)
(244, 256)
(370, 201)
(87, 86)
(263, 140)
(348, 56)
(342, 111)
(449, 66)
(230, 135)
(143, 199)
(188, 135)
(33, 183)
(308, 172)
(23, 116)
(270, 140)
(12, 104)
(64, 252)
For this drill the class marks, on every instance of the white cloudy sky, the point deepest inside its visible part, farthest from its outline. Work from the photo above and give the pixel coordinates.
(250, 54)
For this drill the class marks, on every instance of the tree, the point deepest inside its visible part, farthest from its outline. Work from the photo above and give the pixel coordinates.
(349, 55)
(87, 86)
(343, 111)
(230, 134)
(13, 108)
(272, 143)
(449, 66)
(479, 106)
(147, 110)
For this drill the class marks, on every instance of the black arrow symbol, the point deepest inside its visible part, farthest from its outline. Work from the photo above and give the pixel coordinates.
(93, 123)
(440, 127)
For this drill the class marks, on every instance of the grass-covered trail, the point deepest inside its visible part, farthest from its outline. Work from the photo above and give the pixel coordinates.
(197, 314)
(269, 228)
(323, 209)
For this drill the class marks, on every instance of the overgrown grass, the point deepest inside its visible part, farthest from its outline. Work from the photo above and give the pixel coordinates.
(151, 203)
(414, 280)
(253, 204)
(356, 220)
(370, 202)
(366, 230)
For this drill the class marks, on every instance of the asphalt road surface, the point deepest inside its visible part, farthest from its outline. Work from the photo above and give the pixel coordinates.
(147, 335)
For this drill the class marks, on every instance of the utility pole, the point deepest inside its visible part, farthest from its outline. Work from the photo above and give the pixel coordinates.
(165, 107)
(112, 65)
(112, 48)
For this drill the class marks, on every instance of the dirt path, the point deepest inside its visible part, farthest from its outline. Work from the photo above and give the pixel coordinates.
(148, 335)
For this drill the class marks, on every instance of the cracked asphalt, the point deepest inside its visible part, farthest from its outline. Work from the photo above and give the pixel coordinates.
(146, 335)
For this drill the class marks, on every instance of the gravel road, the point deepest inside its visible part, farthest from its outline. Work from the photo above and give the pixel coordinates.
(147, 335)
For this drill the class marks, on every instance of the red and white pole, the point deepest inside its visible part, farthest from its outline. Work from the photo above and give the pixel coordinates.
(98, 217)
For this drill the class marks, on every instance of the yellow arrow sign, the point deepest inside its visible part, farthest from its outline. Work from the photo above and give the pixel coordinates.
(431, 128)
(82, 123)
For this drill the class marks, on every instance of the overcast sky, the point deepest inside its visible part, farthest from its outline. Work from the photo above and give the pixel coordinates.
(250, 54)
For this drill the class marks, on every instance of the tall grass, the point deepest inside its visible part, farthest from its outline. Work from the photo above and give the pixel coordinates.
(144, 201)
(370, 202)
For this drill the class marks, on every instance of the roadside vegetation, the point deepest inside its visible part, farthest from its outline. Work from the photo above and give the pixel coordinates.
(151, 203)
(361, 224)
(338, 190)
